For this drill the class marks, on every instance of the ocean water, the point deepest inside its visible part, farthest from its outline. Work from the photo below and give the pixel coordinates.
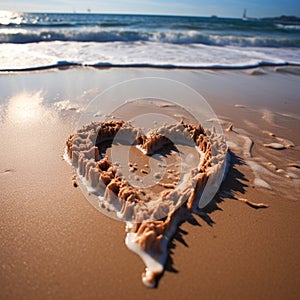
(40, 40)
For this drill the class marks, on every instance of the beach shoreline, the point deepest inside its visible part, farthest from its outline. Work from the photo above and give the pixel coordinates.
(56, 245)
(68, 65)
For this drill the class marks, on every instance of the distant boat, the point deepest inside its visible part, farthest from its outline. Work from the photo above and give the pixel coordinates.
(245, 15)
(245, 18)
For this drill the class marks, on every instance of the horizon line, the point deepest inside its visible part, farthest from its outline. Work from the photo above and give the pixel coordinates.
(142, 13)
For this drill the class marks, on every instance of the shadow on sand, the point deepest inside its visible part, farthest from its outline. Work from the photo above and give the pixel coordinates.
(235, 182)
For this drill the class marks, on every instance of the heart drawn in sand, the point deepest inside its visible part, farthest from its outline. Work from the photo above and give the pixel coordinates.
(142, 176)
(148, 162)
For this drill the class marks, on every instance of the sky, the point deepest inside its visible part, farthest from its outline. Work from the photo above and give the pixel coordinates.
(221, 8)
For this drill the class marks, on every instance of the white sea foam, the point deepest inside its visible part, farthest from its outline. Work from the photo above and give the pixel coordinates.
(288, 27)
(39, 40)
(57, 53)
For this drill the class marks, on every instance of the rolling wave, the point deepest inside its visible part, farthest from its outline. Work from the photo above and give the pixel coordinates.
(41, 40)
(99, 35)
(288, 27)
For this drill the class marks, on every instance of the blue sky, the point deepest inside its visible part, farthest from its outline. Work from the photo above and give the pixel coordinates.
(228, 8)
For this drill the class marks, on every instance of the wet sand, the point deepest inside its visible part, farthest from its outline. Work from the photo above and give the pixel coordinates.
(54, 244)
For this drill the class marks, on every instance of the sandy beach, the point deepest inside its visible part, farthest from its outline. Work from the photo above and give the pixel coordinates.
(55, 245)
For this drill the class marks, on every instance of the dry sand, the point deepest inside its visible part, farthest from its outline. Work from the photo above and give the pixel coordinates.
(55, 245)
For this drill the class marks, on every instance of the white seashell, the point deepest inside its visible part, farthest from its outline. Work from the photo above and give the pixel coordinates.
(276, 146)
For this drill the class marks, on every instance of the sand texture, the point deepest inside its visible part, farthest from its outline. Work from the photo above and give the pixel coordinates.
(55, 245)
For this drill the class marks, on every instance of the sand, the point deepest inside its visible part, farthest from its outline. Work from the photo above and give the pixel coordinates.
(54, 244)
